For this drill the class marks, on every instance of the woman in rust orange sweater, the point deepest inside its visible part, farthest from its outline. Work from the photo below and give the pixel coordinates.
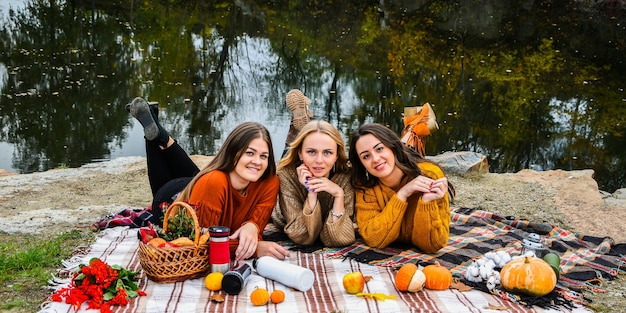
(237, 189)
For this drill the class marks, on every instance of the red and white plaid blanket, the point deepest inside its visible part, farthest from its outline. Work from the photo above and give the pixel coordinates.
(119, 246)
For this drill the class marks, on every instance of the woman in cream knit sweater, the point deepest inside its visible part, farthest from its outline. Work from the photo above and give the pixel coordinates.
(316, 199)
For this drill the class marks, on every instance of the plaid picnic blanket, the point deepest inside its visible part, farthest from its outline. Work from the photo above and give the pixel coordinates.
(133, 218)
(584, 261)
(119, 246)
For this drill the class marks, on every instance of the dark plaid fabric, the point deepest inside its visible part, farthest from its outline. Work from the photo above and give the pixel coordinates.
(134, 218)
(585, 260)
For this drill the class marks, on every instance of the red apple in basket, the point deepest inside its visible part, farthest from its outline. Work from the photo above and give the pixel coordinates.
(353, 282)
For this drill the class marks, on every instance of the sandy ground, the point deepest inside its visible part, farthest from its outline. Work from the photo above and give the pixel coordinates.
(58, 200)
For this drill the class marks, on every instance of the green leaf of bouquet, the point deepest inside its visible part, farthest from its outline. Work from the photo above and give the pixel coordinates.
(133, 285)
(108, 296)
(80, 277)
(114, 286)
(131, 294)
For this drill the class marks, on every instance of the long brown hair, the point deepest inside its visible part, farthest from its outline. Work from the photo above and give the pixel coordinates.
(406, 159)
(229, 154)
(291, 158)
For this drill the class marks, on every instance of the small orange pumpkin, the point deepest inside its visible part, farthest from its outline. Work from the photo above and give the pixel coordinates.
(277, 296)
(409, 278)
(437, 277)
(528, 275)
(259, 296)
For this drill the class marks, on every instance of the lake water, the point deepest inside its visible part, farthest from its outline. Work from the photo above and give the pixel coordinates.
(529, 85)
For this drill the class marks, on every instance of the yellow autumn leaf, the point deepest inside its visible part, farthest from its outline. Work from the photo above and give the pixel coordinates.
(376, 296)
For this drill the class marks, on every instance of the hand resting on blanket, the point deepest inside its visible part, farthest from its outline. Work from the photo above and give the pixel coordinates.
(269, 248)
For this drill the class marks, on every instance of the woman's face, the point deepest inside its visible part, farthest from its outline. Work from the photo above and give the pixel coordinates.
(319, 153)
(252, 164)
(377, 158)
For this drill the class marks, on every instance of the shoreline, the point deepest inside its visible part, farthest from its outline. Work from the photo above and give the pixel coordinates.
(61, 199)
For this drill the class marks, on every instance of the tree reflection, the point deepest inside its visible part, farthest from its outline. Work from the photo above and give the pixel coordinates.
(518, 90)
(60, 103)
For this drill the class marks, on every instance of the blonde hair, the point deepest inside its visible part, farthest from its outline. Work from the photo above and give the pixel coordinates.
(292, 158)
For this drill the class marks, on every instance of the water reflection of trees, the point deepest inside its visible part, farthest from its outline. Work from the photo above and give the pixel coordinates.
(522, 96)
(500, 96)
(59, 103)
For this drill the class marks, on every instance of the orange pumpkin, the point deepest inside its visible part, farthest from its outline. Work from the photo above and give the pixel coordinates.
(259, 296)
(409, 278)
(437, 277)
(528, 275)
(277, 296)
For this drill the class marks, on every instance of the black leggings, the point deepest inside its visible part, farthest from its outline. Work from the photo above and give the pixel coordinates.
(169, 171)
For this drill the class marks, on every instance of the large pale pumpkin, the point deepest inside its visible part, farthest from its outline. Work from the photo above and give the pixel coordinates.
(528, 275)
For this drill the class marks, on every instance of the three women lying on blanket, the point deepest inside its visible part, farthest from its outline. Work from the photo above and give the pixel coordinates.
(398, 195)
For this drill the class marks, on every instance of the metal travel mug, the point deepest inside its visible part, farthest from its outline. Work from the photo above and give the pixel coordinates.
(219, 251)
(234, 280)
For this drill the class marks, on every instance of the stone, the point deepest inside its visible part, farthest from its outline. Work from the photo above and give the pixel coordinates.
(620, 194)
(461, 163)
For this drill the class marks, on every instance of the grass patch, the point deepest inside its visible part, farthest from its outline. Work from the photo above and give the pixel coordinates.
(27, 263)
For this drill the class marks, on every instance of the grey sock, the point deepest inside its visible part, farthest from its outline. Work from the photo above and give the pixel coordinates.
(139, 109)
(154, 109)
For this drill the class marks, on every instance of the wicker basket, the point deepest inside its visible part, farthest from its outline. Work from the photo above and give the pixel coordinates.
(168, 265)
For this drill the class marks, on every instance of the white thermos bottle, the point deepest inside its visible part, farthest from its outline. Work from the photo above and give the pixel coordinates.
(288, 274)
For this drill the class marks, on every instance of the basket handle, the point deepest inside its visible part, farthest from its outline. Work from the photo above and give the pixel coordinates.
(192, 212)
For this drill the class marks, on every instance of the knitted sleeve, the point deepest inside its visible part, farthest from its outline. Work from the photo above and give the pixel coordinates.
(302, 223)
(341, 232)
(255, 208)
(379, 215)
(431, 221)
(263, 202)
(210, 196)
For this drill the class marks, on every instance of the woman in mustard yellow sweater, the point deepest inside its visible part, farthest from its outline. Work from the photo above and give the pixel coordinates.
(399, 196)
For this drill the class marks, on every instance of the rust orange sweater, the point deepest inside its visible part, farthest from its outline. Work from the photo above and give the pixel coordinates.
(218, 203)
(382, 218)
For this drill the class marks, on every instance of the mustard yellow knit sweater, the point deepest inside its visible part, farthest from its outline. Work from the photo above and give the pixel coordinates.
(382, 218)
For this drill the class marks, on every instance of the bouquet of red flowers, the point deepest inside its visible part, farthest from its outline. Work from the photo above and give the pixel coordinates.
(101, 286)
